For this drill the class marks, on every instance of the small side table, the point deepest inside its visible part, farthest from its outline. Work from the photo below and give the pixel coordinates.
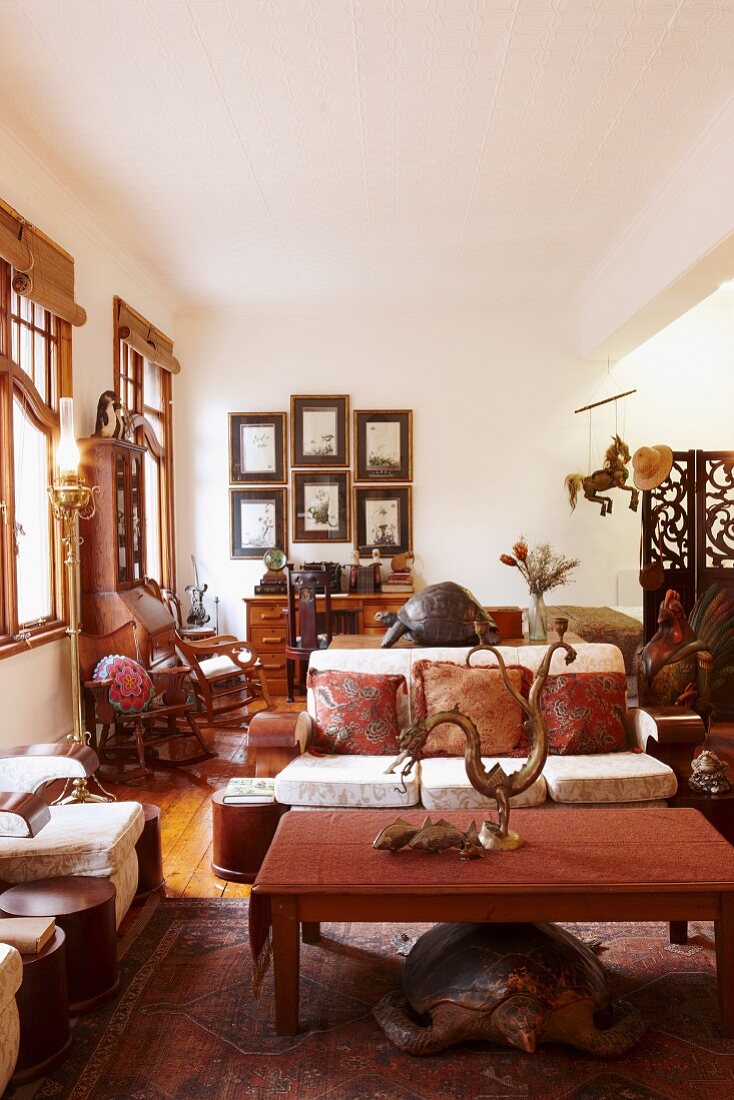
(43, 1007)
(150, 856)
(241, 833)
(85, 908)
(716, 808)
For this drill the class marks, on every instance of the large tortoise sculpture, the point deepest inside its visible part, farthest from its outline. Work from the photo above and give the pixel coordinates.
(516, 984)
(442, 614)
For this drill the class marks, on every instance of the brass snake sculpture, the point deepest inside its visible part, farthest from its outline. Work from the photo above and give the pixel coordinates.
(495, 783)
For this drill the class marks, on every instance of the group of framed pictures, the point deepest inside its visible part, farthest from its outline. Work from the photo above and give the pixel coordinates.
(321, 493)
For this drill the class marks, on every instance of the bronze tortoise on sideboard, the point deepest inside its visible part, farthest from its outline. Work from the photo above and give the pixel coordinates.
(441, 615)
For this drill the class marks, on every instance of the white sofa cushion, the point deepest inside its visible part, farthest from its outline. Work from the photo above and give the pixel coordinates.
(89, 839)
(445, 784)
(608, 777)
(342, 781)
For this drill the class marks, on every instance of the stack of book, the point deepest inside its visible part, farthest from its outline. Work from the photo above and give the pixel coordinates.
(249, 791)
(29, 935)
(399, 582)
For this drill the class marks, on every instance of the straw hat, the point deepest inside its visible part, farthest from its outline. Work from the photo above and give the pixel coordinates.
(651, 466)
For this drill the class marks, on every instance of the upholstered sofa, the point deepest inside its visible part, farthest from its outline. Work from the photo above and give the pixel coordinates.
(307, 778)
(11, 975)
(93, 838)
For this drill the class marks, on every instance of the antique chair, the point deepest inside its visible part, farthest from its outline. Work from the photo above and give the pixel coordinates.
(39, 841)
(169, 717)
(306, 628)
(227, 678)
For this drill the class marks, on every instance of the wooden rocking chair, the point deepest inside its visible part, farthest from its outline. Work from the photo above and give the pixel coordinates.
(227, 677)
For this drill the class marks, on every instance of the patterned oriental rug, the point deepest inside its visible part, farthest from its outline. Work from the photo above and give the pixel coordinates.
(186, 1026)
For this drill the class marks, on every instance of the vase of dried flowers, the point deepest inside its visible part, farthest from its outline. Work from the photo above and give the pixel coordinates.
(543, 569)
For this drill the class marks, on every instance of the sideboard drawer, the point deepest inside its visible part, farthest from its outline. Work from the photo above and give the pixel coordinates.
(267, 613)
(266, 638)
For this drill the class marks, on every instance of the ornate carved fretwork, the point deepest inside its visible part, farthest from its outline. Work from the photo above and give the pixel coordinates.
(670, 510)
(716, 497)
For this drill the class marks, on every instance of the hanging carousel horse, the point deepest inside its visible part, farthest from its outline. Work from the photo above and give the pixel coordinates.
(613, 475)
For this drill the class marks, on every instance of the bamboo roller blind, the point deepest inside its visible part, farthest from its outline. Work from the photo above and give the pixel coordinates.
(145, 338)
(42, 271)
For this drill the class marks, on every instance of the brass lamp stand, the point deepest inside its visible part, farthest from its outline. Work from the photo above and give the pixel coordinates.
(70, 499)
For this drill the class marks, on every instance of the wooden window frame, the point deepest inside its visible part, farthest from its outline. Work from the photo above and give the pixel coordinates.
(15, 382)
(129, 379)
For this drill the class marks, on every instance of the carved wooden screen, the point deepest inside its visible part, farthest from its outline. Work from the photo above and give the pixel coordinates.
(671, 509)
(695, 509)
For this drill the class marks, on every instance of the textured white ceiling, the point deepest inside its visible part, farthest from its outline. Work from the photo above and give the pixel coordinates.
(311, 152)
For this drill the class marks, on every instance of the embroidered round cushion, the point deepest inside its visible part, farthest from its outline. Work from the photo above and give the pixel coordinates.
(131, 690)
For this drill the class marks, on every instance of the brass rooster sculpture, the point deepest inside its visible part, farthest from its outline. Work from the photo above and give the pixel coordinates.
(495, 783)
(685, 662)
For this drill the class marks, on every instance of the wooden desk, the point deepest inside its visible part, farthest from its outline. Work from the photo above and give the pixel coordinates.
(265, 626)
(576, 865)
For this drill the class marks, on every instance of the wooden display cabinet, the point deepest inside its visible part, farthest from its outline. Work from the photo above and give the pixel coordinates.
(113, 551)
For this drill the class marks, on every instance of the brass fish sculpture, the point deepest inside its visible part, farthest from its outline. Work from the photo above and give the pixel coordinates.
(394, 837)
(442, 835)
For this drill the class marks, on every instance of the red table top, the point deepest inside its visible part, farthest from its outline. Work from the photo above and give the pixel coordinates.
(596, 850)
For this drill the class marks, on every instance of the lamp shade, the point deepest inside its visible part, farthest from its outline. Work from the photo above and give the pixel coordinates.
(67, 452)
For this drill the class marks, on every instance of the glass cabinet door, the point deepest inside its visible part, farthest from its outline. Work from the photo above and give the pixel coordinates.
(123, 567)
(136, 516)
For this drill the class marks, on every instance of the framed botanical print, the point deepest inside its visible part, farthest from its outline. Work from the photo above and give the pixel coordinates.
(383, 441)
(384, 519)
(320, 506)
(319, 430)
(257, 447)
(257, 521)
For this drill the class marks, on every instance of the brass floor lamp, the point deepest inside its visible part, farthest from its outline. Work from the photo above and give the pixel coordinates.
(71, 500)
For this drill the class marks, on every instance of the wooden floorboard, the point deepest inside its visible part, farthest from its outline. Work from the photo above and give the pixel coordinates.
(184, 795)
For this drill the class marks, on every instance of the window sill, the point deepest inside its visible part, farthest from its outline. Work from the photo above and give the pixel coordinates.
(11, 648)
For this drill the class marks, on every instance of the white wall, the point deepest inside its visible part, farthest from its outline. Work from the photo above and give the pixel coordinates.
(34, 686)
(494, 436)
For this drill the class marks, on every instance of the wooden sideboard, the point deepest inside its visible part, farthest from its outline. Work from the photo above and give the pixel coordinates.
(266, 625)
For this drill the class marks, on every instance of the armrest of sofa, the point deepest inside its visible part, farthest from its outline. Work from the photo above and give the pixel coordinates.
(29, 767)
(22, 814)
(273, 740)
(670, 734)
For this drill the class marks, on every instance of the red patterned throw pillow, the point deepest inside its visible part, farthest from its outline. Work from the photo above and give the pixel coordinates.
(131, 690)
(355, 713)
(480, 694)
(584, 712)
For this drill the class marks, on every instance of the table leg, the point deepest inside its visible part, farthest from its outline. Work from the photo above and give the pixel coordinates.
(311, 931)
(285, 964)
(679, 931)
(725, 961)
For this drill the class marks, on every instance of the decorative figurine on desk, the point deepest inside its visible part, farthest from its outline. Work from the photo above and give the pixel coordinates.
(198, 615)
(273, 583)
(442, 614)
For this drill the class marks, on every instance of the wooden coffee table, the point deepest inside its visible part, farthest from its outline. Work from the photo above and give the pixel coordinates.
(576, 865)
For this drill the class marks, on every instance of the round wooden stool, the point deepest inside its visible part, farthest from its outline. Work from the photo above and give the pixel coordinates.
(43, 1007)
(85, 909)
(150, 856)
(241, 834)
